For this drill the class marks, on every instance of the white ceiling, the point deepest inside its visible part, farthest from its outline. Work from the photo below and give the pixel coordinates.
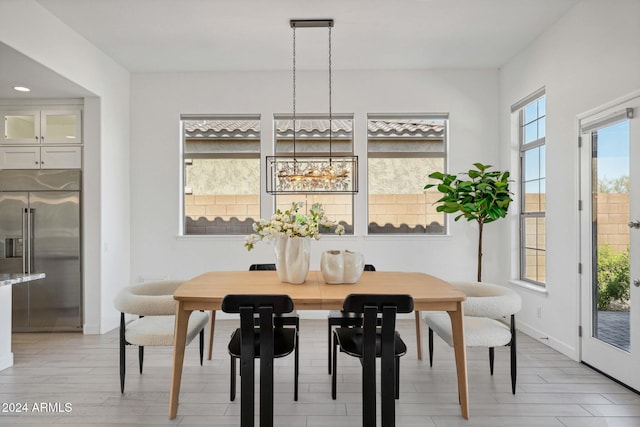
(201, 35)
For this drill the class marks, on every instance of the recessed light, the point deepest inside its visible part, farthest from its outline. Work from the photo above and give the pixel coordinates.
(22, 89)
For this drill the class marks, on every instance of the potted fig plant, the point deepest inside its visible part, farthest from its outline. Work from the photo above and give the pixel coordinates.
(480, 195)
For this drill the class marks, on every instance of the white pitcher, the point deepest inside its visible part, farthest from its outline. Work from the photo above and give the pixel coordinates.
(341, 266)
(353, 266)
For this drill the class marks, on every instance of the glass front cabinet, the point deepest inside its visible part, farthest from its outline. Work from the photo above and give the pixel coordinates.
(41, 139)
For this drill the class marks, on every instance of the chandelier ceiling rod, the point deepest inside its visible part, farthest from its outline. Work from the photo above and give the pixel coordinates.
(312, 174)
(311, 23)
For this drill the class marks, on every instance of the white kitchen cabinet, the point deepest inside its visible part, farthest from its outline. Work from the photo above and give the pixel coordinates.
(36, 157)
(60, 157)
(20, 127)
(20, 157)
(41, 127)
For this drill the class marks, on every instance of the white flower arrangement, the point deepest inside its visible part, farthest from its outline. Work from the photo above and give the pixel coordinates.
(290, 223)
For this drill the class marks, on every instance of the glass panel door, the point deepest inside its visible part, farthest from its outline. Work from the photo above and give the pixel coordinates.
(610, 241)
(610, 234)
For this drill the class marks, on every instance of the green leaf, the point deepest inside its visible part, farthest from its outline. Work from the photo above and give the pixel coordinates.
(481, 167)
(473, 174)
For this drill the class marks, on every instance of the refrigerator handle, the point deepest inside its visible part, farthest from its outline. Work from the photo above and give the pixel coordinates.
(25, 237)
(30, 215)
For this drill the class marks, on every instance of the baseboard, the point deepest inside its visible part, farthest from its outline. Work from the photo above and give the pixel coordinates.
(107, 324)
(6, 361)
(91, 329)
(544, 338)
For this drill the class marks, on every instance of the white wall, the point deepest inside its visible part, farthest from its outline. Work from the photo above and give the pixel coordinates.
(471, 98)
(6, 355)
(33, 31)
(588, 58)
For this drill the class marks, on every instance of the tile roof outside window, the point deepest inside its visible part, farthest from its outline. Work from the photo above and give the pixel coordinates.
(341, 128)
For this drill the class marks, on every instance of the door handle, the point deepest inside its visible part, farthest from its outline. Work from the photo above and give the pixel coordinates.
(636, 283)
(634, 224)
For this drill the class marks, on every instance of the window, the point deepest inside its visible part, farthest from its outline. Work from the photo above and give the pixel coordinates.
(221, 174)
(402, 151)
(531, 119)
(312, 138)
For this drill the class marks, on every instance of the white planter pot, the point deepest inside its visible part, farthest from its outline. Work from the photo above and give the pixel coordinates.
(341, 266)
(292, 258)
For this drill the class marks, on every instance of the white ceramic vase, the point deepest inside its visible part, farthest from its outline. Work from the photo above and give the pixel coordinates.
(292, 258)
(341, 266)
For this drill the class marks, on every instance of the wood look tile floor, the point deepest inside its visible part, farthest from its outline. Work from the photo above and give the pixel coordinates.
(64, 379)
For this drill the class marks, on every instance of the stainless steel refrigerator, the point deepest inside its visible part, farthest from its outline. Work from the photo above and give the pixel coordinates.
(40, 232)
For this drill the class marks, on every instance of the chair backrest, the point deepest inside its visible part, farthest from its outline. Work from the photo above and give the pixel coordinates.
(262, 267)
(369, 267)
(266, 306)
(148, 298)
(355, 303)
(280, 304)
(489, 300)
(370, 305)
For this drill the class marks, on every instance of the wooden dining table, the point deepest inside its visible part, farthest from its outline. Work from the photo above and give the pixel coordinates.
(206, 291)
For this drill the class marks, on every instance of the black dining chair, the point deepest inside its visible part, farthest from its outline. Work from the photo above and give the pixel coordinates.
(265, 342)
(262, 267)
(291, 319)
(376, 338)
(340, 318)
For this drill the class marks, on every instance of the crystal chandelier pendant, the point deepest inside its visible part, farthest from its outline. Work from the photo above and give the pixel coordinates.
(337, 174)
(292, 174)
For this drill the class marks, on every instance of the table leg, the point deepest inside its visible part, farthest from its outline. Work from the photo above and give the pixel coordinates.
(457, 326)
(419, 334)
(179, 343)
(212, 326)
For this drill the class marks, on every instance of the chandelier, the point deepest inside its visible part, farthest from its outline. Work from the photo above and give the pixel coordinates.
(306, 174)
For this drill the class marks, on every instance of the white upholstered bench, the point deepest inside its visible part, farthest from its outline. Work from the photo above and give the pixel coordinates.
(484, 310)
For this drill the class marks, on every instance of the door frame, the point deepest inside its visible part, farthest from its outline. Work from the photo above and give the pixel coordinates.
(608, 359)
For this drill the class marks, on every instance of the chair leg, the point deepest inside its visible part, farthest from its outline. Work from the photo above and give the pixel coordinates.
(329, 346)
(418, 335)
(368, 361)
(491, 357)
(397, 385)
(296, 368)
(201, 346)
(266, 367)
(140, 353)
(430, 347)
(335, 366)
(388, 380)
(513, 354)
(247, 369)
(123, 345)
(232, 384)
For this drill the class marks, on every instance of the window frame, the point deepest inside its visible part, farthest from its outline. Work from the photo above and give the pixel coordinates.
(347, 135)
(444, 155)
(185, 158)
(523, 214)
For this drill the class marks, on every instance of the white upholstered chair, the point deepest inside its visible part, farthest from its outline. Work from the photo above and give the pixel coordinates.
(154, 304)
(485, 312)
